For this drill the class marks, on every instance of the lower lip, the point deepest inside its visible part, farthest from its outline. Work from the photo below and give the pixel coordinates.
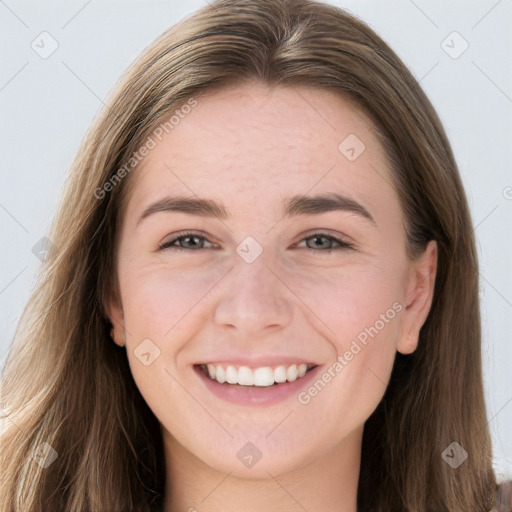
(252, 395)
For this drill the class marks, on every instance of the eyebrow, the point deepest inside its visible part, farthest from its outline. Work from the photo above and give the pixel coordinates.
(295, 205)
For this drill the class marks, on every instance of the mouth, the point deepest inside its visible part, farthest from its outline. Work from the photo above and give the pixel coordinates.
(263, 376)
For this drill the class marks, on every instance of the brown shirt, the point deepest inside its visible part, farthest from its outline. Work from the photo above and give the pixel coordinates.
(503, 497)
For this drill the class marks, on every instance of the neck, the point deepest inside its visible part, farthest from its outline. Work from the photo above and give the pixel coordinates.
(329, 483)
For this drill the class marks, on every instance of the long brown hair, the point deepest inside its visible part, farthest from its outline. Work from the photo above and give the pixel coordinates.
(66, 384)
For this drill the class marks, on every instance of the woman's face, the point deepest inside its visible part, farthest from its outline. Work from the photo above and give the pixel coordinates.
(249, 277)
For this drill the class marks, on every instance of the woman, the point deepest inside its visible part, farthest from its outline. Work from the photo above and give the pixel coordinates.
(195, 345)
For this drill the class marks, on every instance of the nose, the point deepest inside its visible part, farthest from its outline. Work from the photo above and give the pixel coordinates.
(253, 299)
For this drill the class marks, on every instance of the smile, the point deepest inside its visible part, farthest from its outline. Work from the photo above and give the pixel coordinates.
(263, 376)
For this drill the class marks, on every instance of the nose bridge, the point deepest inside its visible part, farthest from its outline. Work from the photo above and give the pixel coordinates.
(252, 297)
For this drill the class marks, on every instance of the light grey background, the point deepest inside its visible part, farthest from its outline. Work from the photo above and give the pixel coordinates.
(48, 104)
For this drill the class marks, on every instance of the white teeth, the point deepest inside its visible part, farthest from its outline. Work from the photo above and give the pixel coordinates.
(231, 375)
(220, 374)
(280, 374)
(291, 373)
(245, 376)
(264, 376)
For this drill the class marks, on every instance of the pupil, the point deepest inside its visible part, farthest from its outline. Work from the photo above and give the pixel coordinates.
(318, 241)
(188, 238)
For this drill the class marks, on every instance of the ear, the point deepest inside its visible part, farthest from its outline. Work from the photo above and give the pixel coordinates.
(418, 298)
(116, 317)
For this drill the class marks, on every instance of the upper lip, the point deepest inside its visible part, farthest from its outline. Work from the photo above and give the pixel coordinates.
(258, 362)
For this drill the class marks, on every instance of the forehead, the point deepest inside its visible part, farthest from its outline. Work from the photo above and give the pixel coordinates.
(252, 144)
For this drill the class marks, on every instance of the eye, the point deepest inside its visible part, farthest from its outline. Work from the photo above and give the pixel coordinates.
(189, 241)
(324, 242)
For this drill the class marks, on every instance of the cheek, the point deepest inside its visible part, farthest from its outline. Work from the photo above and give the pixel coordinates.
(161, 308)
(156, 299)
(350, 299)
(352, 385)
(360, 310)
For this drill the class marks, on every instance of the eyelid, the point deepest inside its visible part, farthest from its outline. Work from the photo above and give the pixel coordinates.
(343, 244)
(183, 234)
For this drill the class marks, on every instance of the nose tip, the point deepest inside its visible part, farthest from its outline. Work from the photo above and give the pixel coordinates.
(252, 299)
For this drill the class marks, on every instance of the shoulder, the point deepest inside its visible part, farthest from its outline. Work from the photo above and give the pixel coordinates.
(503, 497)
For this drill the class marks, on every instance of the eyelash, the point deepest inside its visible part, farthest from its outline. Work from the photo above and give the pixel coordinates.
(169, 245)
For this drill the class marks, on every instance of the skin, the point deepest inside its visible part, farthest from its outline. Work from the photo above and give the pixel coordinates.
(250, 148)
